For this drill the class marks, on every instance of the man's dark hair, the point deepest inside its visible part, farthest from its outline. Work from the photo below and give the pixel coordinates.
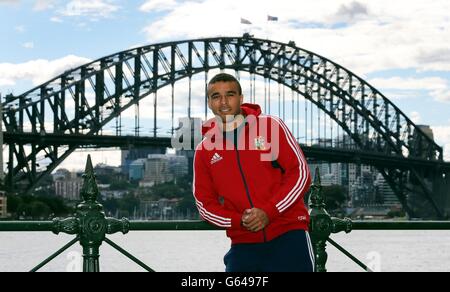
(224, 77)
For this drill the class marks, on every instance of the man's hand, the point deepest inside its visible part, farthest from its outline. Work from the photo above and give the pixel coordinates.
(255, 220)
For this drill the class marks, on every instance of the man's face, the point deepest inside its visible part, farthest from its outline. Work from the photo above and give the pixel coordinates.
(224, 100)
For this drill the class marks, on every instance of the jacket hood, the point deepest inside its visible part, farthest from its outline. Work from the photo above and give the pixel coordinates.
(247, 109)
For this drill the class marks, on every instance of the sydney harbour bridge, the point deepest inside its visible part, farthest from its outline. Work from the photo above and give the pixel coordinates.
(133, 99)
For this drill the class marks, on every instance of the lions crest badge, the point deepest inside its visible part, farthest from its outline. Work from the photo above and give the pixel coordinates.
(260, 143)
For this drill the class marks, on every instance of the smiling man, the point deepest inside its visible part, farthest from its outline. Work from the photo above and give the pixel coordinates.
(258, 201)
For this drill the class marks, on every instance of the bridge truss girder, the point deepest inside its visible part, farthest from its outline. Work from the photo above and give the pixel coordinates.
(85, 99)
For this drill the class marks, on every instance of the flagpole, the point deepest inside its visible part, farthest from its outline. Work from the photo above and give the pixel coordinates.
(269, 20)
(245, 22)
(267, 30)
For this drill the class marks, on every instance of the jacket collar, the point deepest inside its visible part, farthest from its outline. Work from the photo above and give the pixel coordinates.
(210, 128)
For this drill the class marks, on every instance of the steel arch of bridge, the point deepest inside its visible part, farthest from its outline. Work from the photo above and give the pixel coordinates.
(121, 80)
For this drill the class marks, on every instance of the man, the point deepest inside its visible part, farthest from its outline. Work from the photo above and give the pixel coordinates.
(259, 201)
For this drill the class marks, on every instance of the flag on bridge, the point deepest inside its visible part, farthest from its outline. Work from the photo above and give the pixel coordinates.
(272, 18)
(245, 21)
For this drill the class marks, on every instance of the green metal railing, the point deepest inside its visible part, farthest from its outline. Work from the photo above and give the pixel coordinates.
(90, 227)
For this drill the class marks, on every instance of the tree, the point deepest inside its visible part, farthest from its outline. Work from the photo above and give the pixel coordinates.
(56, 205)
(128, 203)
(167, 191)
(37, 207)
(13, 203)
(187, 203)
(39, 210)
(396, 213)
(120, 185)
(104, 179)
(111, 206)
(335, 197)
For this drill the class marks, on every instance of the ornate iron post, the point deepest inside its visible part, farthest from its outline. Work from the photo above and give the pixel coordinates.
(322, 225)
(90, 222)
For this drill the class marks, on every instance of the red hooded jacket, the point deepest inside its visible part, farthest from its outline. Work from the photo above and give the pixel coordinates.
(229, 179)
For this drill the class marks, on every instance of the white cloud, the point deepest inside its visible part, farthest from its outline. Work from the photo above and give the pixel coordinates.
(442, 137)
(350, 12)
(94, 8)
(9, 1)
(6, 82)
(429, 83)
(434, 58)
(415, 117)
(28, 45)
(37, 71)
(442, 94)
(42, 5)
(56, 19)
(195, 19)
(365, 36)
(157, 5)
(437, 87)
(20, 28)
(77, 160)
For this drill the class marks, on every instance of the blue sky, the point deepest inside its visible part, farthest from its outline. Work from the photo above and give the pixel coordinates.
(54, 35)
(401, 46)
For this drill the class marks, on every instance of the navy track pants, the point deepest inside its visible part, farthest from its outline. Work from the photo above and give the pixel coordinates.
(290, 252)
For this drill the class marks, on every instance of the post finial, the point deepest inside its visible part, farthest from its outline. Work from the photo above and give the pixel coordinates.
(89, 192)
(89, 167)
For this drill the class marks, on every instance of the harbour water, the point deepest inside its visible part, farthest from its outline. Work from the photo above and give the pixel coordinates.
(203, 251)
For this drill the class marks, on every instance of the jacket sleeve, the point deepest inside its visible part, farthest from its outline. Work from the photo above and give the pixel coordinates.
(296, 179)
(207, 199)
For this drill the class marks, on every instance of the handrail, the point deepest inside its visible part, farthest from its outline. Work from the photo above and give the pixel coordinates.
(401, 225)
(198, 225)
(25, 226)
